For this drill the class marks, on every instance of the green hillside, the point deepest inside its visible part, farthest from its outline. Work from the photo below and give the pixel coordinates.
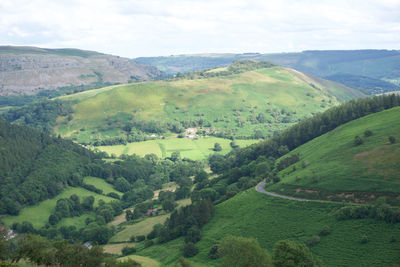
(337, 168)
(269, 220)
(249, 104)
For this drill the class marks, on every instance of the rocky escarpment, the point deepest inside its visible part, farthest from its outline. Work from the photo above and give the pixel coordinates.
(27, 70)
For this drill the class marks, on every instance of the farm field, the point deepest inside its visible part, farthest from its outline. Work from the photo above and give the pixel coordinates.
(337, 165)
(145, 226)
(144, 261)
(101, 184)
(229, 104)
(274, 219)
(39, 214)
(193, 149)
(117, 248)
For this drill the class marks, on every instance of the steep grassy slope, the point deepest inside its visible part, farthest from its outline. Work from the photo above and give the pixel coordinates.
(27, 70)
(229, 104)
(337, 168)
(269, 219)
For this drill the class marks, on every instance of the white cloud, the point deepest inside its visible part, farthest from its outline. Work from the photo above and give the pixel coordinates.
(153, 27)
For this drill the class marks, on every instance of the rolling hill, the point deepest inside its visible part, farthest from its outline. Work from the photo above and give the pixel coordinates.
(356, 64)
(334, 167)
(29, 70)
(245, 104)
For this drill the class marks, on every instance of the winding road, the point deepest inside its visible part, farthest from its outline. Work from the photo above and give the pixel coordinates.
(260, 188)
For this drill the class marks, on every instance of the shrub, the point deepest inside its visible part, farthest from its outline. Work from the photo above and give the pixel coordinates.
(364, 239)
(358, 141)
(140, 238)
(367, 133)
(128, 250)
(113, 195)
(392, 139)
(393, 239)
(305, 163)
(313, 240)
(132, 238)
(190, 250)
(326, 230)
(148, 243)
(217, 147)
(214, 254)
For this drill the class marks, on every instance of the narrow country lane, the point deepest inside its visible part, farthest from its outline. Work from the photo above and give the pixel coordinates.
(260, 188)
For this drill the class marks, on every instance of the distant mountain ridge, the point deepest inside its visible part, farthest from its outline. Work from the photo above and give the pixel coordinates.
(375, 64)
(28, 70)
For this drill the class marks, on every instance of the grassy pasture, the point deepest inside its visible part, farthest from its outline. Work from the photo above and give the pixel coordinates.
(101, 184)
(144, 261)
(117, 248)
(192, 149)
(143, 227)
(269, 220)
(339, 165)
(39, 214)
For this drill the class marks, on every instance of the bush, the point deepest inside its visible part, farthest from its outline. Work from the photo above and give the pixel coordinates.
(313, 240)
(132, 238)
(190, 250)
(128, 250)
(140, 238)
(358, 141)
(214, 252)
(113, 195)
(393, 239)
(392, 139)
(217, 147)
(364, 239)
(367, 133)
(148, 243)
(326, 230)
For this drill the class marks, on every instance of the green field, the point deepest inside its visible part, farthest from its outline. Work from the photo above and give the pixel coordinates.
(39, 214)
(101, 184)
(144, 261)
(229, 104)
(192, 149)
(268, 219)
(143, 227)
(337, 165)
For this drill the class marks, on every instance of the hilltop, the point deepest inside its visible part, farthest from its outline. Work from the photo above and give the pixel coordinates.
(28, 70)
(242, 104)
(335, 167)
(368, 69)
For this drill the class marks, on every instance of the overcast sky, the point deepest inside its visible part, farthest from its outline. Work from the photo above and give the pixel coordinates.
(134, 28)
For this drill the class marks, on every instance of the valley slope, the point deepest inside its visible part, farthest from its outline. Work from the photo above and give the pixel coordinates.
(334, 167)
(248, 104)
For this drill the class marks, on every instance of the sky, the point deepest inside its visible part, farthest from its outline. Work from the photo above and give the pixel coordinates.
(136, 28)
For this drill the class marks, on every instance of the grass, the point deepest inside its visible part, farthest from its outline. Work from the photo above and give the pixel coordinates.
(337, 165)
(101, 184)
(117, 248)
(39, 214)
(193, 149)
(222, 101)
(269, 220)
(143, 227)
(144, 261)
